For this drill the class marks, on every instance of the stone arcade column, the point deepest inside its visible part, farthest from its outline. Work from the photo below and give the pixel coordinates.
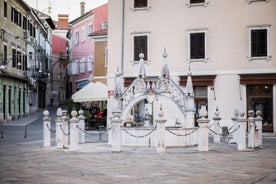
(116, 131)
(259, 129)
(160, 133)
(251, 129)
(217, 128)
(65, 126)
(203, 140)
(59, 133)
(241, 131)
(81, 126)
(46, 129)
(74, 133)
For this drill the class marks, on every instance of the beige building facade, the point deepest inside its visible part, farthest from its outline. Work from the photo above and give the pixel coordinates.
(229, 46)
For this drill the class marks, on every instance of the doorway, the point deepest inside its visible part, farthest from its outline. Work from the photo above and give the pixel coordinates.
(260, 97)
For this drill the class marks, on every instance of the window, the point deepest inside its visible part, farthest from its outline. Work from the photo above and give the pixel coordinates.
(140, 3)
(197, 45)
(13, 58)
(24, 62)
(191, 3)
(5, 9)
(5, 55)
(19, 61)
(25, 23)
(89, 29)
(75, 67)
(90, 63)
(82, 65)
(83, 34)
(250, 1)
(76, 38)
(15, 16)
(196, 1)
(140, 46)
(259, 42)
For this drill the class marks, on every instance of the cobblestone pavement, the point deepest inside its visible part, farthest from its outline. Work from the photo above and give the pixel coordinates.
(26, 161)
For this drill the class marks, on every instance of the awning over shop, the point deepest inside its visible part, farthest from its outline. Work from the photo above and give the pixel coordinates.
(91, 92)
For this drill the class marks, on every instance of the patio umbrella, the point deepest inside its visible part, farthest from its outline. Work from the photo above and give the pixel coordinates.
(91, 92)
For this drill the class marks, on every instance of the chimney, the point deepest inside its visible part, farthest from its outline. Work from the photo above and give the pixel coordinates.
(82, 8)
(63, 18)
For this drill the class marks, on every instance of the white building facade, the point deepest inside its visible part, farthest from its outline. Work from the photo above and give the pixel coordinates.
(229, 46)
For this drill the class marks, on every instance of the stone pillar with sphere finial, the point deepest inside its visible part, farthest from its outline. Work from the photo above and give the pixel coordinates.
(251, 129)
(46, 129)
(59, 133)
(241, 131)
(74, 133)
(160, 131)
(116, 130)
(259, 129)
(65, 127)
(203, 140)
(235, 125)
(81, 127)
(217, 128)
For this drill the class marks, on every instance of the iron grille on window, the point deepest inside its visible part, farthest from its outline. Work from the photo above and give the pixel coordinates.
(197, 45)
(140, 3)
(258, 43)
(140, 46)
(196, 1)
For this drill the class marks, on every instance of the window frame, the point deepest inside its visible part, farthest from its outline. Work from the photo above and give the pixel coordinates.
(83, 37)
(259, 27)
(254, 1)
(192, 31)
(189, 4)
(76, 37)
(75, 67)
(134, 34)
(90, 63)
(5, 9)
(89, 30)
(82, 65)
(148, 7)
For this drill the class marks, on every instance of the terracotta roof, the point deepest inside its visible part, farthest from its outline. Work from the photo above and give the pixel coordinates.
(62, 26)
(99, 32)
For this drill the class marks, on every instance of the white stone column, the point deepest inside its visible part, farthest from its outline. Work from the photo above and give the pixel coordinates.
(160, 132)
(74, 133)
(59, 133)
(235, 125)
(65, 126)
(217, 128)
(259, 129)
(203, 140)
(241, 131)
(116, 131)
(81, 127)
(46, 129)
(251, 129)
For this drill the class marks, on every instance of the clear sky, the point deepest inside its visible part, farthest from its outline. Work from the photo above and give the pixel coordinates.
(71, 7)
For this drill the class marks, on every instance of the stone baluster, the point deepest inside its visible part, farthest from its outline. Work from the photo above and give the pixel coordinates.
(59, 133)
(74, 133)
(46, 129)
(251, 129)
(203, 141)
(241, 131)
(65, 126)
(160, 133)
(81, 127)
(235, 125)
(217, 128)
(259, 129)
(116, 131)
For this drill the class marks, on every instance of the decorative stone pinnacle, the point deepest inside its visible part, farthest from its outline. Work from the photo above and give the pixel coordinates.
(81, 112)
(242, 113)
(46, 113)
(141, 56)
(160, 113)
(259, 113)
(165, 55)
(74, 113)
(217, 112)
(59, 112)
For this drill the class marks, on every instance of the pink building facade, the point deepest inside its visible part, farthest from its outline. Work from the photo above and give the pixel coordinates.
(83, 47)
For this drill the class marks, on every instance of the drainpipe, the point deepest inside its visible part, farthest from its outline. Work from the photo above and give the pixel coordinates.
(123, 37)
